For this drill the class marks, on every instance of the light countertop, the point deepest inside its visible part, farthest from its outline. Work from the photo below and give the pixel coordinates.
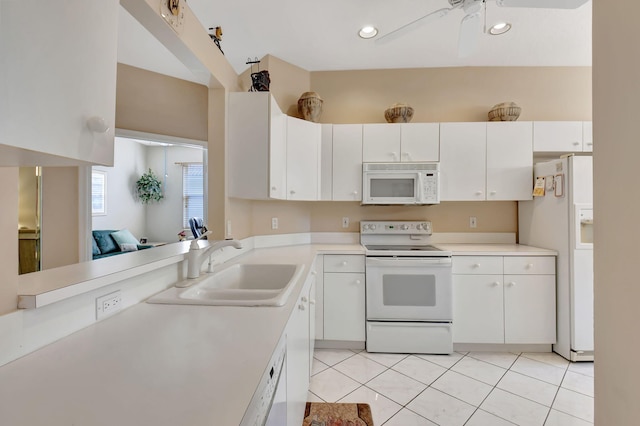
(495, 250)
(156, 364)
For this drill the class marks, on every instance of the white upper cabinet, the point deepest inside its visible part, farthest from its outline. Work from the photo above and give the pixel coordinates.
(557, 136)
(403, 142)
(509, 160)
(58, 71)
(326, 162)
(303, 159)
(257, 154)
(420, 141)
(380, 143)
(587, 136)
(347, 162)
(463, 161)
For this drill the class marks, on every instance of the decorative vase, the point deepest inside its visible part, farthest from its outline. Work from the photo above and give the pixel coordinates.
(310, 106)
(505, 111)
(398, 113)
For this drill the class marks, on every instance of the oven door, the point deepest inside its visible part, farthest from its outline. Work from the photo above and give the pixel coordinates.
(409, 289)
(390, 188)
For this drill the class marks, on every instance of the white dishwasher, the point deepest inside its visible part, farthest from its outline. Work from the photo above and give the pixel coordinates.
(268, 406)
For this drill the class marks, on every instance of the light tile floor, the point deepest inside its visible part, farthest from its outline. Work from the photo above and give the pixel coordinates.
(472, 389)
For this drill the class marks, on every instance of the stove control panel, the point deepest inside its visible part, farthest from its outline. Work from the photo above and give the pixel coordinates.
(396, 227)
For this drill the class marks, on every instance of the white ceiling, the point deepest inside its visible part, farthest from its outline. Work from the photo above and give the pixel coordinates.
(322, 35)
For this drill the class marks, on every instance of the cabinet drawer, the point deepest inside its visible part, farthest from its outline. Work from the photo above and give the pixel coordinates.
(343, 263)
(477, 265)
(529, 265)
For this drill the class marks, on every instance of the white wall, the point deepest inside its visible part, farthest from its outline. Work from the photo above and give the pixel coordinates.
(123, 210)
(164, 219)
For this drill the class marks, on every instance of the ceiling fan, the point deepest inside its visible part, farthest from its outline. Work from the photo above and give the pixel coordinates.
(471, 24)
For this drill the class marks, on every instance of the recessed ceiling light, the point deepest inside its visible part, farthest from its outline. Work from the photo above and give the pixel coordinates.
(500, 28)
(368, 32)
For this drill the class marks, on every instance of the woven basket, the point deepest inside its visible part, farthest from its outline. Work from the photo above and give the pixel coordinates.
(506, 111)
(398, 113)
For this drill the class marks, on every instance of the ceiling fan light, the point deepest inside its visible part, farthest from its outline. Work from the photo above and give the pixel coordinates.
(500, 28)
(368, 32)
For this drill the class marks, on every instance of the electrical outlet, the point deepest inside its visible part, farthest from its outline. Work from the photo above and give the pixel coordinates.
(345, 222)
(108, 304)
(473, 222)
(274, 223)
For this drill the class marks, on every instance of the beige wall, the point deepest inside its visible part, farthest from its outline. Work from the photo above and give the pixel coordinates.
(155, 103)
(455, 94)
(616, 67)
(60, 214)
(9, 249)
(438, 94)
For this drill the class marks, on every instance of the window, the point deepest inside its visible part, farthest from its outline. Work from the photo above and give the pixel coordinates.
(98, 193)
(192, 192)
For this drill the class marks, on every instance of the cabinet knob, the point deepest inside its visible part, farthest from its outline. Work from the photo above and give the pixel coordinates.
(476, 265)
(304, 299)
(589, 143)
(301, 307)
(313, 272)
(407, 155)
(358, 281)
(479, 192)
(344, 263)
(492, 193)
(312, 301)
(394, 155)
(576, 143)
(292, 192)
(355, 192)
(273, 188)
(495, 283)
(511, 284)
(529, 265)
(97, 124)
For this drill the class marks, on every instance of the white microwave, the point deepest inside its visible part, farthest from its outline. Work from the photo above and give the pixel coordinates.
(400, 183)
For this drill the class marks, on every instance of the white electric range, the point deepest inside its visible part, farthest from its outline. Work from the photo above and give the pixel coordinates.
(408, 289)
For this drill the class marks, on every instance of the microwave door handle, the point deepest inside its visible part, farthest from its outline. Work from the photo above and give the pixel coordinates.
(419, 195)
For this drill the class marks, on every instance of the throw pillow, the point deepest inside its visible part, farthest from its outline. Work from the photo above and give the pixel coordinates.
(95, 250)
(128, 247)
(105, 243)
(124, 237)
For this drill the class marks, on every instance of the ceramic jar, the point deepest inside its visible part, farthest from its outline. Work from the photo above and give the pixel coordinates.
(310, 106)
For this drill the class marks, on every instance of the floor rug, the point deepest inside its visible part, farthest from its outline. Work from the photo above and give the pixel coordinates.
(337, 414)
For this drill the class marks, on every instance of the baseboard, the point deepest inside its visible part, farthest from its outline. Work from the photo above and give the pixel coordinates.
(339, 344)
(490, 347)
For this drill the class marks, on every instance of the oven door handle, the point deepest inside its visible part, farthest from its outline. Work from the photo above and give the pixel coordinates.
(444, 262)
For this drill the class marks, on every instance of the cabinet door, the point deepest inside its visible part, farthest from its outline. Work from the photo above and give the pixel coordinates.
(303, 153)
(311, 297)
(55, 80)
(462, 161)
(380, 143)
(298, 360)
(420, 142)
(344, 306)
(326, 163)
(587, 136)
(347, 162)
(509, 160)
(477, 309)
(277, 151)
(557, 136)
(530, 308)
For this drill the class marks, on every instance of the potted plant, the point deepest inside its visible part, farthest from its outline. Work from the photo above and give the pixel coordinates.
(149, 188)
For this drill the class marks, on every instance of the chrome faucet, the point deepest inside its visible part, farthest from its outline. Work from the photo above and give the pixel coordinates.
(196, 255)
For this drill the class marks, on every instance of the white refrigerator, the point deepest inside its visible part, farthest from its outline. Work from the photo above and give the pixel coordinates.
(562, 220)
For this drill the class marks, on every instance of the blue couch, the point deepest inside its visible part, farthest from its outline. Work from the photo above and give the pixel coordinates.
(105, 245)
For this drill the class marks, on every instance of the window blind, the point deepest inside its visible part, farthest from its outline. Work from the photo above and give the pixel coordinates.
(192, 192)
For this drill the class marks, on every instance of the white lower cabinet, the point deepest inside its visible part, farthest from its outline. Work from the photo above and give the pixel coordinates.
(344, 298)
(299, 353)
(493, 306)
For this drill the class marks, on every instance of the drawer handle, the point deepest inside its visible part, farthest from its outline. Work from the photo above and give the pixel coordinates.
(511, 284)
